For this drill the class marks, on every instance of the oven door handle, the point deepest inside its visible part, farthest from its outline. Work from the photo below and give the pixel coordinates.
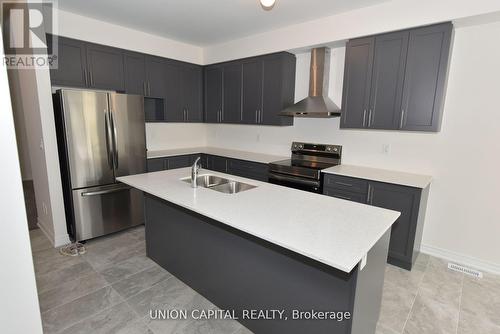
(281, 177)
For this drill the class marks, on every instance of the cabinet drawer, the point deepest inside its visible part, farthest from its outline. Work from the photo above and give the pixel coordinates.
(344, 194)
(346, 183)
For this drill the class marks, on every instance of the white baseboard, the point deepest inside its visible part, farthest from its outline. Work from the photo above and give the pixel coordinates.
(462, 259)
(55, 240)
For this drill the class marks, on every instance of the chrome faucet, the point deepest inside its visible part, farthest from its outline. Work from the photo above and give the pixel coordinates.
(194, 173)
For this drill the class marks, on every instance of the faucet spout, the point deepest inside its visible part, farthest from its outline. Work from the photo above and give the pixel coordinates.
(194, 173)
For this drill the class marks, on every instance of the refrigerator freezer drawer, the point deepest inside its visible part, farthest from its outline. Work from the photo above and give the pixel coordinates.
(106, 209)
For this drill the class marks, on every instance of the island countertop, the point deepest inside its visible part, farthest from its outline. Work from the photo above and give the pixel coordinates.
(333, 231)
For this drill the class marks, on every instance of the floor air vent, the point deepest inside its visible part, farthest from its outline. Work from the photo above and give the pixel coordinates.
(465, 270)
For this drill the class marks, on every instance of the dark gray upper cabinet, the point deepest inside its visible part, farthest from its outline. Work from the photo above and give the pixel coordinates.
(278, 88)
(174, 109)
(106, 67)
(387, 80)
(357, 82)
(252, 91)
(72, 63)
(231, 112)
(425, 77)
(213, 94)
(191, 93)
(135, 73)
(397, 80)
(156, 78)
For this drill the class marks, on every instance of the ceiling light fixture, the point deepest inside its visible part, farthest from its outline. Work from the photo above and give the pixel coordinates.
(267, 4)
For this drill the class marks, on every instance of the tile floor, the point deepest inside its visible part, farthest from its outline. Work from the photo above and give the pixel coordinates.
(112, 287)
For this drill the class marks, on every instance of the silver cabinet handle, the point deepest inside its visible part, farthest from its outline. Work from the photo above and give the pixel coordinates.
(91, 78)
(187, 114)
(144, 88)
(370, 194)
(115, 140)
(85, 78)
(402, 118)
(370, 117)
(343, 184)
(103, 192)
(256, 116)
(221, 116)
(149, 88)
(364, 117)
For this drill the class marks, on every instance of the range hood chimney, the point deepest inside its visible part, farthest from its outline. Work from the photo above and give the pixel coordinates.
(317, 104)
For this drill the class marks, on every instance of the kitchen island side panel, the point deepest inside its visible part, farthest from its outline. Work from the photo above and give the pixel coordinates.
(237, 271)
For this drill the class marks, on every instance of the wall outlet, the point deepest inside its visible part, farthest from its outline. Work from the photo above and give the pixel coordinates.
(386, 149)
(41, 144)
(258, 137)
(44, 209)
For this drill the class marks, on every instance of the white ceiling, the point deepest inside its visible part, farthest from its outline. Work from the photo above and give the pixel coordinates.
(206, 22)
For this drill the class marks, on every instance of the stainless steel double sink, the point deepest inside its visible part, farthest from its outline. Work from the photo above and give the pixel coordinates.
(220, 184)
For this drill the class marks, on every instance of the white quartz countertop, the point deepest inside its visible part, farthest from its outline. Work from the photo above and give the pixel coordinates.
(333, 231)
(381, 175)
(242, 155)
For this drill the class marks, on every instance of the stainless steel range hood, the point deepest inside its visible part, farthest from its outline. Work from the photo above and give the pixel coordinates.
(317, 104)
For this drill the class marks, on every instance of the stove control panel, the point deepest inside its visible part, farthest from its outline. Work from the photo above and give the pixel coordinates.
(316, 148)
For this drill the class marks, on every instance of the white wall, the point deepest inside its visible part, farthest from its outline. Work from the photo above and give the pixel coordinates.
(175, 135)
(91, 30)
(19, 310)
(464, 159)
(388, 16)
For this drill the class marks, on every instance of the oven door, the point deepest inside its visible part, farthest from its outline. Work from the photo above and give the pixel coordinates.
(290, 181)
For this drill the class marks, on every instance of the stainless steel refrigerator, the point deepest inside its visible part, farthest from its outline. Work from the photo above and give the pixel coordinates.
(101, 136)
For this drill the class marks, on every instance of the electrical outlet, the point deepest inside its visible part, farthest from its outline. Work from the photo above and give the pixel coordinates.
(44, 209)
(258, 137)
(41, 144)
(386, 149)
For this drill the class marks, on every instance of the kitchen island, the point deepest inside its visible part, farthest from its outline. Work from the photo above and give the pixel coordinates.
(270, 248)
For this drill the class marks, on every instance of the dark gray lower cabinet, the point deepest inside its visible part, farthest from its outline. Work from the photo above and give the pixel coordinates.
(406, 233)
(249, 169)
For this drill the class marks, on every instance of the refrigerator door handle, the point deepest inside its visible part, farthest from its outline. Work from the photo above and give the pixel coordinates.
(109, 140)
(104, 192)
(115, 141)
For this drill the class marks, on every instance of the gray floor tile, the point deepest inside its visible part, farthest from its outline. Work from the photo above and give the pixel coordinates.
(103, 255)
(396, 305)
(480, 305)
(69, 314)
(55, 278)
(39, 241)
(138, 233)
(168, 294)
(193, 326)
(409, 280)
(141, 281)
(243, 330)
(50, 260)
(115, 272)
(71, 290)
(383, 329)
(431, 316)
(117, 319)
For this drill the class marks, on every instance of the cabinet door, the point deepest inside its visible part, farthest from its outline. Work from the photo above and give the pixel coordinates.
(180, 161)
(405, 200)
(425, 77)
(232, 93)
(191, 86)
(135, 73)
(357, 82)
(155, 165)
(213, 94)
(156, 77)
(252, 91)
(174, 110)
(106, 69)
(387, 81)
(216, 163)
(272, 99)
(72, 63)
